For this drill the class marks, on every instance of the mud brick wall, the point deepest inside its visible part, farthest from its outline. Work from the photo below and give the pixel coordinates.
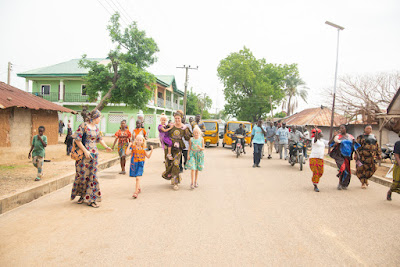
(20, 127)
(48, 119)
(5, 127)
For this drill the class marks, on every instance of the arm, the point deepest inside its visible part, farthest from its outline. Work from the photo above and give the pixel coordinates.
(41, 140)
(202, 144)
(397, 158)
(190, 148)
(115, 141)
(165, 130)
(151, 152)
(30, 152)
(105, 145)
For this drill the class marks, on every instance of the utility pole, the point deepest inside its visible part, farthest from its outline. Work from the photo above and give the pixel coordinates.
(270, 101)
(186, 84)
(9, 73)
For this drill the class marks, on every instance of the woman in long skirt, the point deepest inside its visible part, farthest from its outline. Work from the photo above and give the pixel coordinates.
(342, 152)
(177, 132)
(317, 158)
(365, 156)
(86, 184)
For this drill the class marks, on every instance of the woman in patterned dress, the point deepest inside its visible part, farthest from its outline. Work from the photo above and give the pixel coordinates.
(365, 156)
(86, 184)
(177, 132)
(123, 136)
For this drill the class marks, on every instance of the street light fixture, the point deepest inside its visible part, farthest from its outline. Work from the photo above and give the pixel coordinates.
(339, 28)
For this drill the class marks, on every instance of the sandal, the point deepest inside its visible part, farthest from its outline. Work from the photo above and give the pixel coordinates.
(37, 179)
(169, 156)
(140, 190)
(93, 205)
(135, 195)
(389, 195)
(80, 201)
(191, 186)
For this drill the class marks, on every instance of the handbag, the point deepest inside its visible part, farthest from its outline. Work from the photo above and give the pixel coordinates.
(77, 153)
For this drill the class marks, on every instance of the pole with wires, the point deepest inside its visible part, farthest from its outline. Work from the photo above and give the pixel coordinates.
(186, 84)
(9, 73)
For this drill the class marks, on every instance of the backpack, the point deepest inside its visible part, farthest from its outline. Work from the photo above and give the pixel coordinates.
(77, 153)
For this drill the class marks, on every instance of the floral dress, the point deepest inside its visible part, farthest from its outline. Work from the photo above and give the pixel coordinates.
(196, 161)
(172, 169)
(368, 150)
(86, 184)
(123, 137)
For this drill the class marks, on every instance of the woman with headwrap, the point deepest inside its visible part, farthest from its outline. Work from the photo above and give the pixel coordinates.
(123, 136)
(177, 132)
(86, 184)
(365, 156)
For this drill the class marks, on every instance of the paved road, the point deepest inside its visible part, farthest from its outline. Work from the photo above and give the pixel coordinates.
(238, 216)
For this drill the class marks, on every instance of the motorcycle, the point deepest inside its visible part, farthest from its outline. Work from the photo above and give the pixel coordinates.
(388, 153)
(239, 147)
(296, 154)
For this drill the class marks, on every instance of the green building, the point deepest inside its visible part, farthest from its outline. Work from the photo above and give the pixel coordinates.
(63, 84)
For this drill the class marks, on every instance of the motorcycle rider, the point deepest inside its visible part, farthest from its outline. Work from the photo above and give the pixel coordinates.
(240, 131)
(294, 137)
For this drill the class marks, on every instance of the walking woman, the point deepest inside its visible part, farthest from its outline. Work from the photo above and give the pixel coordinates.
(365, 156)
(123, 136)
(317, 158)
(177, 132)
(342, 151)
(86, 184)
(396, 172)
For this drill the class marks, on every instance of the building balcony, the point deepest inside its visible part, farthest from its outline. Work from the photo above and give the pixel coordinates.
(53, 97)
(68, 97)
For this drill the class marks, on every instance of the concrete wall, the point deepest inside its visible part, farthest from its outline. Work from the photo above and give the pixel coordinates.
(20, 127)
(48, 119)
(5, 127)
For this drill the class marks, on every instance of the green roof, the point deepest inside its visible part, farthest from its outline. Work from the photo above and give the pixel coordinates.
(71, 69)
(65, 69)
(167, 80)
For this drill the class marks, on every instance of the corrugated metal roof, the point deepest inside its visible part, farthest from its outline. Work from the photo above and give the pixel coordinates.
(315, 116)
(11, 96)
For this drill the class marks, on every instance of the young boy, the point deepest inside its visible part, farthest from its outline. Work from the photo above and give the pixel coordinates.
(39, 143)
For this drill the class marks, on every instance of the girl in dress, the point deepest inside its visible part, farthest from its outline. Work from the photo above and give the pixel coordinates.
(165, 140)
(139, 155)
(196, 156)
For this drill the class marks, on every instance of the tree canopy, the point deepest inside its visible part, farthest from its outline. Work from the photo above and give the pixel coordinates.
(198, 104)
(124, 78)
(250, 83)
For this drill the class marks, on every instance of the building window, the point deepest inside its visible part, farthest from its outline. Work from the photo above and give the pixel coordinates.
(45, 89)
(168, 98)
(83, 89)
(160, 95)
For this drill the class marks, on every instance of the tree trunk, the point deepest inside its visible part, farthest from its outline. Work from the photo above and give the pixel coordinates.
(288, 107)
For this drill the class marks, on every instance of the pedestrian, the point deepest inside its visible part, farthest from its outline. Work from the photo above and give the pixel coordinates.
(165, 140)
(365, 156)
(317, 158)
(69, 127)
(258, 140)
(61, 126)
(139, 155)
(123, 136)
(342, 150)
(139, 130)
(199, 122)
(395, 187)
(196, 156)
(185, 150)
(283, 139)
(270, 132)
(39, 143)
(276, 143)
(179, 130)
(68, 141)
(86, 184)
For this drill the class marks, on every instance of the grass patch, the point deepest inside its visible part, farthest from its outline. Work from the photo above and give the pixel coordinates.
(12, 167)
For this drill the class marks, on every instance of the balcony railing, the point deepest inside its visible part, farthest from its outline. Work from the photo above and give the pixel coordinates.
(53, 97)
(75, 97)
(160, 102)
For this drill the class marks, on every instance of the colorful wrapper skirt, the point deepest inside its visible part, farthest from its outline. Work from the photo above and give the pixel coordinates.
(317, 167)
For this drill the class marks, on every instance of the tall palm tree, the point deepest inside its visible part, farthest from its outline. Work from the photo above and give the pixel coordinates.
(292, 93)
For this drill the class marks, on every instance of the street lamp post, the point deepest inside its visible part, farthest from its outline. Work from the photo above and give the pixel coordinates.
(339, 28)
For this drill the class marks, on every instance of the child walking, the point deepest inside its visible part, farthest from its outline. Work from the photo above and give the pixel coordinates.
(68, 141)
(137, 149)
(196, 156)
(163, 128)
(317, 158)
(39, 143)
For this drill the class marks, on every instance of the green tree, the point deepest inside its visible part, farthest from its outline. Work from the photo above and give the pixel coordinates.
(124, 78)
(292, 93)
(281, 114)
(204, 103)
(192, 103)
(249, 83)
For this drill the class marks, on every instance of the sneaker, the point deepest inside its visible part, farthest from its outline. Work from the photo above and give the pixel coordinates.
(196, 185)
(258, 166)
(344, 187)
(269, 157)
(176, 187)
(254, 165)
(316, 188)
(339, 187)
(191, 186)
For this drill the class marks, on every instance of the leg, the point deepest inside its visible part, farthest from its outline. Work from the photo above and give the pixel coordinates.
(137, 185)
(243, 145)
(192, 176)
(280, 147)
(286, 150)
(180, 163)
(196, 176)
(123, 162)
(185, 156)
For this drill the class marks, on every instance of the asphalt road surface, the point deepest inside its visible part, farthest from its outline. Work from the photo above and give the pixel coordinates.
(239, 215)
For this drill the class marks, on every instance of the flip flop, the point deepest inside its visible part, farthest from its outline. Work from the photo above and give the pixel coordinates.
(80, 201)
(135, 195)
(37, 179)
(93, 205)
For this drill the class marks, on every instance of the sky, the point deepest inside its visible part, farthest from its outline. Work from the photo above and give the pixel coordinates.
(40, 33)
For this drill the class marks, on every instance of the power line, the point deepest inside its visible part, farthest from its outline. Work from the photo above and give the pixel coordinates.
(117, 10)
(104, 7)
(186, 84)
(126, 15)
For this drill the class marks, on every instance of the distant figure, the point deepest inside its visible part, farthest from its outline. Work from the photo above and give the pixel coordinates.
(123, 136)
(61, 126)
(317, 158)
(68, 141)
(197, 121)
(69, 125)
(139, 130)
(39, 143)
(196, 156)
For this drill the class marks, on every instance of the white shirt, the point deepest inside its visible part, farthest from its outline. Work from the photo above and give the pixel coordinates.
(317, 149)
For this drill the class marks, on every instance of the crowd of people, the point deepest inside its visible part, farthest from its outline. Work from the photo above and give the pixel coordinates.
(184, 146)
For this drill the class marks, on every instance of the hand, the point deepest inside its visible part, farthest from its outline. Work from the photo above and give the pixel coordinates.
(112, 148)
(87, 155)
(29, 156)
(251, 144)
(151, 147)
(109, 149)
(188, 157)
(198, 147)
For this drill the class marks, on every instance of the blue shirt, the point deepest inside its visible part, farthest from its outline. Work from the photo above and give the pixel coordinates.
(283, 134)
(271, 131)
(258, 135)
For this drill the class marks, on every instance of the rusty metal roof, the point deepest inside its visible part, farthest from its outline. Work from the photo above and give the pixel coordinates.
(11, 96)
(315, 116)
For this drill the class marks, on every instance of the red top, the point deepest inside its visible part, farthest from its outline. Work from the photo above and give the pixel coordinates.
(123, 136)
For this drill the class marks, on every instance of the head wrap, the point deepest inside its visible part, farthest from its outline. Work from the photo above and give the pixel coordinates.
(94, 115)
